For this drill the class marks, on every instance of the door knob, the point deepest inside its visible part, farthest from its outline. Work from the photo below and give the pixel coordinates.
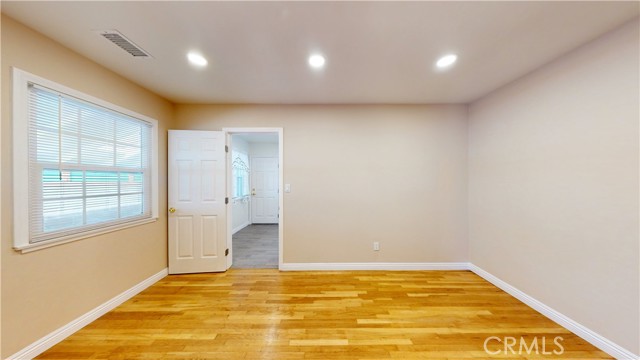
(172, 210)
(253, 192)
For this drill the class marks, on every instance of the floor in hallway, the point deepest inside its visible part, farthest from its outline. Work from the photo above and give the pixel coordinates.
(256, 246)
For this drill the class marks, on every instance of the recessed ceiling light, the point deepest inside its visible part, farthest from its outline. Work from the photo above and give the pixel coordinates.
(197, 59)
(446, 61)
(316, 61)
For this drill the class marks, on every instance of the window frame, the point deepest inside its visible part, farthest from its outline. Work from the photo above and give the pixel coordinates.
(234, 172)
(21, 204)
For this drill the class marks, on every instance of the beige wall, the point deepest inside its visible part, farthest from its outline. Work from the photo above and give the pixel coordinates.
(46, 289)
(1, 172)
(553, 185)
(359, 174)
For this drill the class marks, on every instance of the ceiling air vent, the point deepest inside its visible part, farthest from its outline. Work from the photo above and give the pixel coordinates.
(125, 44)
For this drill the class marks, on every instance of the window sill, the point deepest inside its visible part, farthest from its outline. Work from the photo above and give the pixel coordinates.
(27, 248)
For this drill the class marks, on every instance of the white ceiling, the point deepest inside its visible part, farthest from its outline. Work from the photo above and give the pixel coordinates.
(377, 52)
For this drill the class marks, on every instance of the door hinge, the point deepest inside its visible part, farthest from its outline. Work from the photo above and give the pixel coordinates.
(226, 148)
(226, 252)
(226, 200)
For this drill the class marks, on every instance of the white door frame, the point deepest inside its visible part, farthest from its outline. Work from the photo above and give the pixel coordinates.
(279, 131)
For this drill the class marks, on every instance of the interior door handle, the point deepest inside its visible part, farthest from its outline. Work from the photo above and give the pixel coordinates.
(253, 192)
(172, 210)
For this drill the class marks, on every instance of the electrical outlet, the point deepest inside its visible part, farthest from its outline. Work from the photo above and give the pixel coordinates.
(376, 246)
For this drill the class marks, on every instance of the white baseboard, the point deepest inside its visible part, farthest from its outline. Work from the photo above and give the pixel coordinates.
(587, 334)
(374, 266)
(238, 228)
(46, 342)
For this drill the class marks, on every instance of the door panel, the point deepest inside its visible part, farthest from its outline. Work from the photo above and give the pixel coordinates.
(264, 182)
(208, 180)
(210, 231)
(184, 180)
(197, 179)
(184, 236)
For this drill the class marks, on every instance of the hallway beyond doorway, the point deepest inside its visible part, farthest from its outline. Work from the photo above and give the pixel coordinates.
(256, 246)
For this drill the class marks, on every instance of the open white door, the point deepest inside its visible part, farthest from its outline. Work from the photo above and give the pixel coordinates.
(197, 210)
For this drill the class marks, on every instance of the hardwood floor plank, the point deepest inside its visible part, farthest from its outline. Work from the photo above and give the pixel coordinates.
(266, 314)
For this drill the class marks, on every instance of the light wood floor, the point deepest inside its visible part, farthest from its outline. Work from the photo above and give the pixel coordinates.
(266, 314)
(256, 246)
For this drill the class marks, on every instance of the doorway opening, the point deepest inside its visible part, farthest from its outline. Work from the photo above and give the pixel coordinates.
(256, 246)
(255, 196)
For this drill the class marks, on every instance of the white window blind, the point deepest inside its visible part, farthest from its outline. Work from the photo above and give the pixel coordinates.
(89, 166)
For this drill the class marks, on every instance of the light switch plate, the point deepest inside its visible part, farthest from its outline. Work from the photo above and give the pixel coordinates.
(287, 188)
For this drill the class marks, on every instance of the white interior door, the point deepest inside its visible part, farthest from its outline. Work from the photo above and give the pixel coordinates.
(197, 210)
(264, 190)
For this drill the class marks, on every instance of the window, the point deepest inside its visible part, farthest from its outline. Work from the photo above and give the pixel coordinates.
(240, 174)
(85, 166)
